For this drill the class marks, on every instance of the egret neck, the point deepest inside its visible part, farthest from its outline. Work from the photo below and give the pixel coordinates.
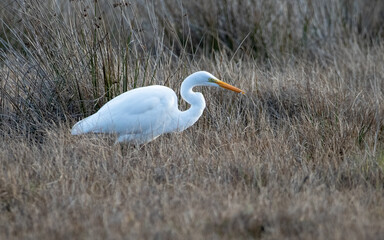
(195, 99)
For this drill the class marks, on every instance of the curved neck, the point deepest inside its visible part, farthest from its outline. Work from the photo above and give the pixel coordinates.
(196, 100)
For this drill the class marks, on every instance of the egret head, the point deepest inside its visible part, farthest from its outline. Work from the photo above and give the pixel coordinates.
(203, 78)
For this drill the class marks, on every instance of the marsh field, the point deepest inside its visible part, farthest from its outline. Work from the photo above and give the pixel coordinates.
(299, 156)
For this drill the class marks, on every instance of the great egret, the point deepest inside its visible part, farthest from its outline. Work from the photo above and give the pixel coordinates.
(142, 114)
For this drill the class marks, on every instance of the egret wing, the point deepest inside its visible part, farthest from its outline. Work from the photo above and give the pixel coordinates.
(137, 111)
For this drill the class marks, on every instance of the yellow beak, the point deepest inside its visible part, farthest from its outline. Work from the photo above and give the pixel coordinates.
(227, 86)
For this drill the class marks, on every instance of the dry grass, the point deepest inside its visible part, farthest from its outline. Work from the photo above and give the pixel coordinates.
(301, 156)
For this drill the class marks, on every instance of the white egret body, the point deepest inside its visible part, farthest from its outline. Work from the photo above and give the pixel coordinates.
(142, 114)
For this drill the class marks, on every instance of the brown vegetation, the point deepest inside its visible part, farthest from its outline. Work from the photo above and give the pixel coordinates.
(300, 156)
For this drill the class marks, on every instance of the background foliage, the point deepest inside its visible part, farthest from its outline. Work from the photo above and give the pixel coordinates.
(299, 156)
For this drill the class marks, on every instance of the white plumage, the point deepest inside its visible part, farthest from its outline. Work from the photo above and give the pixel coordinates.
(142, 114)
